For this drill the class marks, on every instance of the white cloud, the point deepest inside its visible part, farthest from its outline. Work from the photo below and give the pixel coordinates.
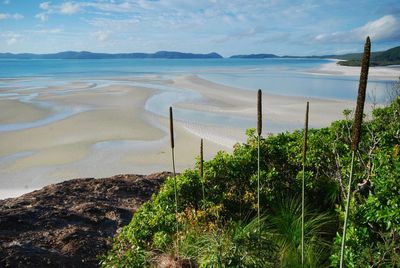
(144, 4)
(69, 8)
(384, 28)
(66, 8)
(16, 16)
(274, 38)
(102, 35)
(109, 7)
(380, 29)
(72, 7)
(49, 31)
(11, 41)
(115, 25)
(42, 16)
(45, 5)
(10, 38)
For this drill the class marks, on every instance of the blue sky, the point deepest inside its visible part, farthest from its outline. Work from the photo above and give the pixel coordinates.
(286, 27)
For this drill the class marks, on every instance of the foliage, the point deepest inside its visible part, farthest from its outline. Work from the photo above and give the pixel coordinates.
(284, 229)
(375, 224)
(392, 91)
(220, 231)
(381, 58)
(236, 244)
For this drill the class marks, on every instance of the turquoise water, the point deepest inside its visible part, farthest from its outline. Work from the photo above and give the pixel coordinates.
(125, 67)
(48, 84)
(292, 77)
(280, 76)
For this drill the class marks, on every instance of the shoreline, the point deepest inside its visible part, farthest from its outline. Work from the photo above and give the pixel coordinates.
(115, 132)
(378, 72)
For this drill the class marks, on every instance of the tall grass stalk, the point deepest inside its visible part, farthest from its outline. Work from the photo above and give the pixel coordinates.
(171, 131)
(303, 184)
(202, 169)
(259, 130)
(356, 133)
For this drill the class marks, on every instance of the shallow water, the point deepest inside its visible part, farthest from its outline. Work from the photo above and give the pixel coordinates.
(41, 82)
(29, 79)
(280, 76)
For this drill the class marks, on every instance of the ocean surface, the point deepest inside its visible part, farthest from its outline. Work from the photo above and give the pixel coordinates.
(280, 76)
(28, 80)
(294, 77)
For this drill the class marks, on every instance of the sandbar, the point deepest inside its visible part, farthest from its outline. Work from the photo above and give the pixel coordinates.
(379, 73)
(111, 132)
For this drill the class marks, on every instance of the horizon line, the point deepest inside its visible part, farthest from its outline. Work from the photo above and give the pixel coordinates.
(172, 51)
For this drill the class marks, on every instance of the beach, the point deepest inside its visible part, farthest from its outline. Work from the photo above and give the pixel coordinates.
(332, 68)
(92, 128)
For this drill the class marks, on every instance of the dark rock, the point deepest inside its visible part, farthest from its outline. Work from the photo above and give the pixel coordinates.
(69, 224)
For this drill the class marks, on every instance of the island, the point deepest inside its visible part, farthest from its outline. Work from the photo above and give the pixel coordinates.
(379, 58)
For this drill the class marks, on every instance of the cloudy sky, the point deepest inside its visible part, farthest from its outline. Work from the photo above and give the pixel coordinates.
(283, 27)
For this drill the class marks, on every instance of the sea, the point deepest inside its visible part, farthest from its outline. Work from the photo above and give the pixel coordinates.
(25, 80)
(291, 77)
(281, 76)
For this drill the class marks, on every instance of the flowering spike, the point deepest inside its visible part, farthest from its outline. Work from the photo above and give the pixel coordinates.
(201, 159)
(305, 134)
(259, 112)
(171, 127)
(356, 132)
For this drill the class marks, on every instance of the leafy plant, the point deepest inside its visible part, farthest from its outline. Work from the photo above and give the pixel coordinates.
(171, 130)
(230, 204)
(303, 182)
(285, 230)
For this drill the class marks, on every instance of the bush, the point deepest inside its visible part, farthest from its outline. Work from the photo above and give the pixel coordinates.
(219, 231)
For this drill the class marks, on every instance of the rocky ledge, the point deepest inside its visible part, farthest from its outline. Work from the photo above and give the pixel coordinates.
(70, 223)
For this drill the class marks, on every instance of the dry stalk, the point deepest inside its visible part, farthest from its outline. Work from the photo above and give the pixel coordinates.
(356, 133)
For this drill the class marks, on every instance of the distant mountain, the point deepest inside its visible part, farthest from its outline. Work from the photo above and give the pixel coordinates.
(91, 55)
(273, 56)
(180, 55)
(255, 56)
(381, 58)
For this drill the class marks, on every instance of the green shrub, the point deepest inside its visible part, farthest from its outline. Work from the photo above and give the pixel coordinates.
(230, 203)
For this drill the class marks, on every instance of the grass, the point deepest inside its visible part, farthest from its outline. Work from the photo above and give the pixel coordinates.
(304, 158)
(356, 132)
(253, 243)
(285, 228)
(290, 233)
(171, 130)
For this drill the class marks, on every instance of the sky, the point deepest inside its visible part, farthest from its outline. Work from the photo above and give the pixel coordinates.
(228, 27)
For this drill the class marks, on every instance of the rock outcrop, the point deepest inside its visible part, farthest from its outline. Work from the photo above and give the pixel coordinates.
(70, 223)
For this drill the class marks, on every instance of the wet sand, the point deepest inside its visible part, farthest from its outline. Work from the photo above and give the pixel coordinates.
(384, 73)
(104, 130)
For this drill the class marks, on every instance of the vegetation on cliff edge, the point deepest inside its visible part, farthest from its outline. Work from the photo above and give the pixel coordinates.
(220, 230)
